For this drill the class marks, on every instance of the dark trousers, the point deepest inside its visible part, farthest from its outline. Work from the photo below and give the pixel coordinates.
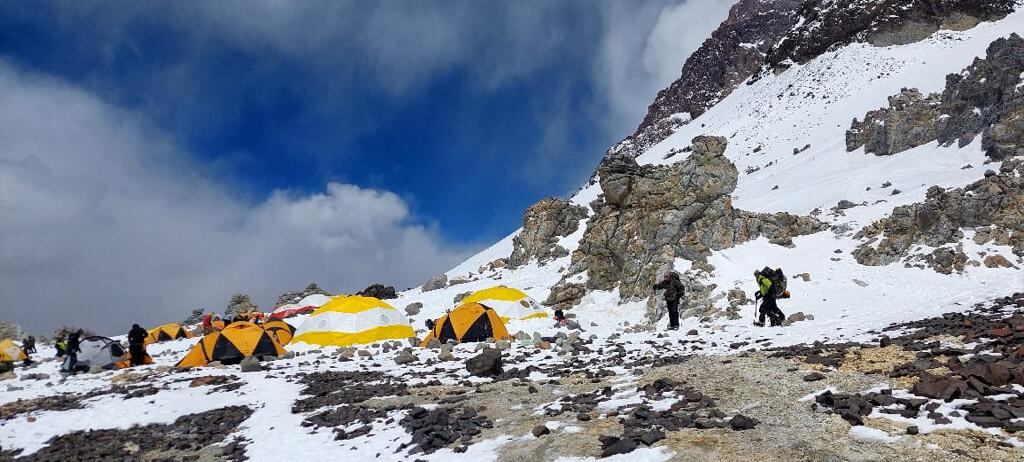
(771, 309)
(673, 313)
(72, 360)
(138, 351)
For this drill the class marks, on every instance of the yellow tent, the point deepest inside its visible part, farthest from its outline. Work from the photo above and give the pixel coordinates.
(166, 332)
(350, 320)
(280, 330)
(10, 351)
(508, 302)
(231, 345)
(469, 322)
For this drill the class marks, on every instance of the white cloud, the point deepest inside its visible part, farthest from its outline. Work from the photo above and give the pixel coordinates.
(643, 50)
(106, 222)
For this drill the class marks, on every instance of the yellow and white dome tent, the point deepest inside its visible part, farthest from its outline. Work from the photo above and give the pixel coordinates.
(345, 321)
(509, 303)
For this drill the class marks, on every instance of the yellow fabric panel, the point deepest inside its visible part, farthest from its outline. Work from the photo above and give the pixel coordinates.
(11, 352)
(531, 316)
(197, 355)
(352, 338)
(352, 304)
(172, 329)
(507, 294)
(463, 317)
(498, 329)
(244, 335)
(280, 331)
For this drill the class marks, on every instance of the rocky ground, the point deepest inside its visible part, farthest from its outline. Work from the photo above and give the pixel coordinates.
(946, 387)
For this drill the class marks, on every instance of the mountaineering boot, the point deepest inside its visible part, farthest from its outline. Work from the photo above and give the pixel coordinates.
(758, 324)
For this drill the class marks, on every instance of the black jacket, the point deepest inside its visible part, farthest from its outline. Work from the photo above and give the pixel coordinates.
(137, 335)
(73, 343)
(674, 289)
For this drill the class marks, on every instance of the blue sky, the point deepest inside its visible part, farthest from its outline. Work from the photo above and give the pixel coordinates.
(340, 129)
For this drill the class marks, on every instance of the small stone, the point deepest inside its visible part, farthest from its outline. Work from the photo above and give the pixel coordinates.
(885, 341)
(742, 422)
(692, 332)
(250, 364)
(913, 430)
(405, 358)
(540, 430)
(814, 377)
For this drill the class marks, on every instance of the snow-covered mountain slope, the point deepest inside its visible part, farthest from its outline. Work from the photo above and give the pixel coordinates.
(572, 395)
(786, 137)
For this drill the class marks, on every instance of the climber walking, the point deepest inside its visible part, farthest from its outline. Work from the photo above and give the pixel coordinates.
(137, 345)
(771, 285)
(674, 291)
(72, 349)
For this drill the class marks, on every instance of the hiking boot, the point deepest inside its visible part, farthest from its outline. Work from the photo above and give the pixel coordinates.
(758, 324)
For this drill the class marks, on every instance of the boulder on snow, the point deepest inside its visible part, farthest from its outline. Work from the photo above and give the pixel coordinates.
(458, 298)
(437, 282)
(487, 364)
(413, 309)
(250, 364)
(405, 358)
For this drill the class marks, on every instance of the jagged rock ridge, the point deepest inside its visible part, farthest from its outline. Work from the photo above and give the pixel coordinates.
(647, 216)
(994, 206)
(734, 52)
(543, 223)
(824, 24)
(986, 98)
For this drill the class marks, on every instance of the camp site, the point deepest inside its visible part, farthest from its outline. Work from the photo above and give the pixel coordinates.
(512, 231)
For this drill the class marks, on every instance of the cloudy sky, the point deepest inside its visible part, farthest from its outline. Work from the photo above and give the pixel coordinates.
(157, 157)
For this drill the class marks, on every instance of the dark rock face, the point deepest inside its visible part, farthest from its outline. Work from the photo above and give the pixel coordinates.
(151, 441)
(735, 51)
(332, 388)
(995, 204)
(649, 215)
(543, 223)
(824, 24)
(986, 374)
(983, 99)
(379, 291)
(443, 427)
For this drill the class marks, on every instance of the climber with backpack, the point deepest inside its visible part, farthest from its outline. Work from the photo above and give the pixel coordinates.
(771, 285)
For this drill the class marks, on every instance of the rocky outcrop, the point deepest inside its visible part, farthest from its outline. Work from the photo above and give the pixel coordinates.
(735, 51)
(543, 223)
(986, 98)
(994, 204)
(437, 282)
(294, 297)
(909, 121)
(824, 24)
(380, 291)
(239, 303)
(647, 216)
(10, 330)
(565, 295)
